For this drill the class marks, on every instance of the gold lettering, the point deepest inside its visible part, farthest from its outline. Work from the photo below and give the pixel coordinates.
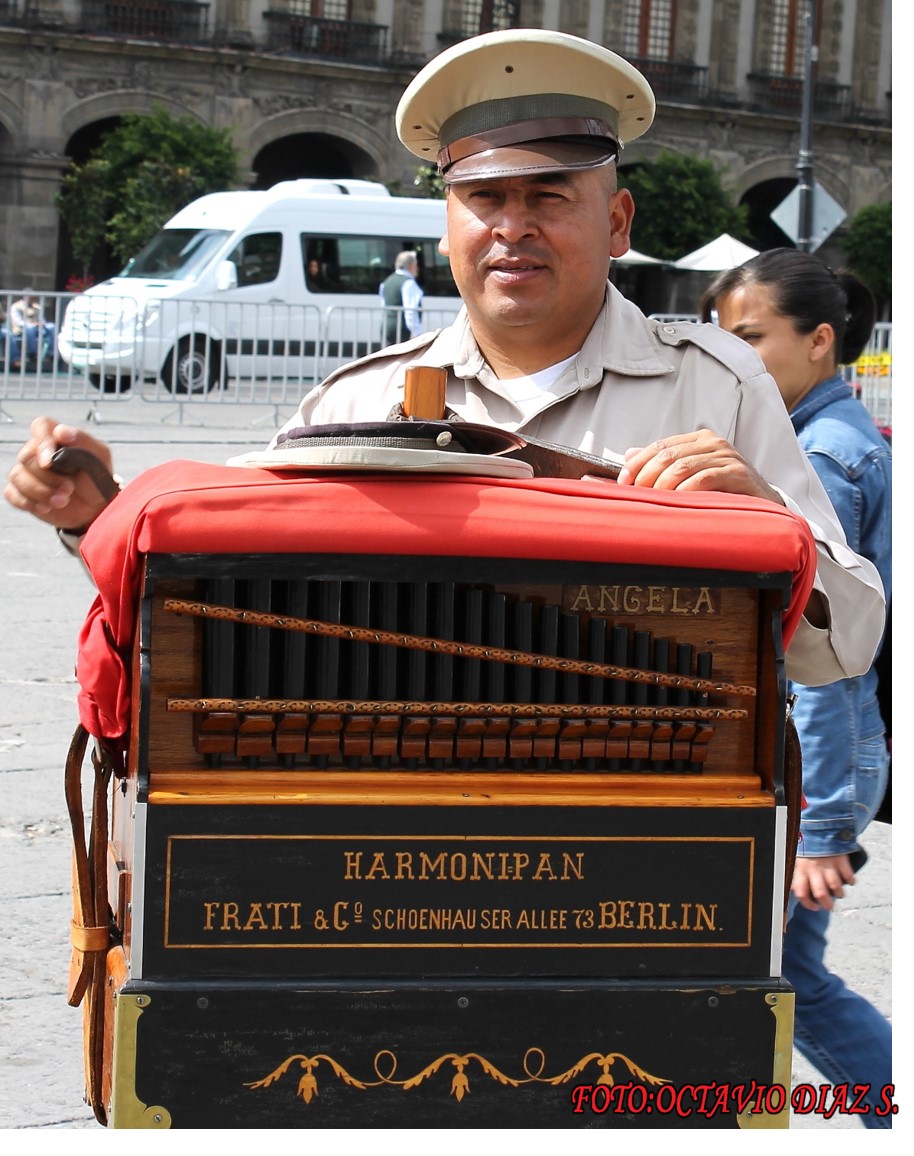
(432, 867)
(255, 918)
(609, 599)
(614, 600)
(706, 917)
(459, 866)
(544, 867)
(541, 919)
(258, 916)
(655, 599)
(607, 915)
(377, 870)
(645, 917)
(230, 920)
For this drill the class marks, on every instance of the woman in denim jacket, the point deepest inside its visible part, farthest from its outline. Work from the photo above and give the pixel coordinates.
(805, 321)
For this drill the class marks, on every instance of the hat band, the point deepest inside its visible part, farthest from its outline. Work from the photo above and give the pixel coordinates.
(528, 130)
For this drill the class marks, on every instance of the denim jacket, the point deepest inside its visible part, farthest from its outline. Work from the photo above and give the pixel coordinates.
(845, 757)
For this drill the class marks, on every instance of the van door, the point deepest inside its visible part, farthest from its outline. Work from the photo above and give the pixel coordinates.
(256, 321)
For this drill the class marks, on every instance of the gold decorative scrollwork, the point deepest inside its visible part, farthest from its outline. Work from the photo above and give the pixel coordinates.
(385, 1068)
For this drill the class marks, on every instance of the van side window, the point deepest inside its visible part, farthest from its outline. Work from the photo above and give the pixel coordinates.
(257, 258)
(359, 264)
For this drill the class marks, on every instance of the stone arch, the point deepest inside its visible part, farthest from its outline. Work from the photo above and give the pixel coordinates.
(352, 133)
(81, 128)
(762, 186)
(11, 121)
(785, 166)
(107, 105)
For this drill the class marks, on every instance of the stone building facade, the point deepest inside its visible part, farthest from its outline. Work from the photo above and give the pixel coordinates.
(309, 88)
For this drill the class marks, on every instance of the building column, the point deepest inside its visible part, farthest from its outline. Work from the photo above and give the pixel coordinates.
(29, 218)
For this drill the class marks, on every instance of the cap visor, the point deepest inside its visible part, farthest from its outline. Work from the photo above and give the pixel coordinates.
(529, 159)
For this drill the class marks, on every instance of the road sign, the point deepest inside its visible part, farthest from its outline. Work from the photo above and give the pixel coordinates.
(827, 215)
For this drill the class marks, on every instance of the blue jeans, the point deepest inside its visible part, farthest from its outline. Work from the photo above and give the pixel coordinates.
(838, 1031)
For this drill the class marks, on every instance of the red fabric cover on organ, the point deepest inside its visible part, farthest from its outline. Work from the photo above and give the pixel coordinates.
(187, 507)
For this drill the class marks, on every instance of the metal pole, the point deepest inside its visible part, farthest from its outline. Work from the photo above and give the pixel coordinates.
(804, 157)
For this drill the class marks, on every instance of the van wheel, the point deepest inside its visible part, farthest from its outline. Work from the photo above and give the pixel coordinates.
(188, 369)
(110, 382)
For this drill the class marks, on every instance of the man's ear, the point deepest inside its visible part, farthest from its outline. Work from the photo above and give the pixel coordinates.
(621, 215)
(443, 246)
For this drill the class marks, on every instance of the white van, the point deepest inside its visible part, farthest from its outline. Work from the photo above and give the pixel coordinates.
(281, 283)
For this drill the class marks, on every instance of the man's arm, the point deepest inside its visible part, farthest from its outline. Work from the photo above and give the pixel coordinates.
(844, 618)
(412, 298)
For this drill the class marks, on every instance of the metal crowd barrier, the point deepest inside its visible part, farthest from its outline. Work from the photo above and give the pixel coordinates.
(177, 352)
(242, 353)
(871, 376)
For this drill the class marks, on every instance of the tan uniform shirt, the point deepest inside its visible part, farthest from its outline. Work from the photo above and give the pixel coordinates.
(634, 381)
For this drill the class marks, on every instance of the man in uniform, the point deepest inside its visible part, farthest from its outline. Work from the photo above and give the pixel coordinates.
(526, 126)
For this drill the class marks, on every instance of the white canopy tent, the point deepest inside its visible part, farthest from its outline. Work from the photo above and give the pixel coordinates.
(633, 257)
(724, 252)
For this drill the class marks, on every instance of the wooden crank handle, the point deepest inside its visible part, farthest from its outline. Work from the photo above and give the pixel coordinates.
(70, 461)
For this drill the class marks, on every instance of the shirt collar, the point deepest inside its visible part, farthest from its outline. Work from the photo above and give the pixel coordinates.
(622, 340)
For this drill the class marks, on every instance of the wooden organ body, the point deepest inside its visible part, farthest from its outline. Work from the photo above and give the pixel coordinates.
(434, 835)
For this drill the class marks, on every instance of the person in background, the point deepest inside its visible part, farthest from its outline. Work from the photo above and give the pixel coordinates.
(806, 322)
(402, 295)
(317, 282)
(527, 126)
(27, 322)
(10, 344)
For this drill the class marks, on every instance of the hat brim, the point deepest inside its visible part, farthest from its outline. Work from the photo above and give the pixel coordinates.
(531, 158)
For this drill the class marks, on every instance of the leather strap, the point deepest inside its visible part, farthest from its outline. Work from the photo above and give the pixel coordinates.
(90, 930)
(793, 791)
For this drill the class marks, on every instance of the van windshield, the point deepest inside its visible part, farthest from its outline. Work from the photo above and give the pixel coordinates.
(175, 254)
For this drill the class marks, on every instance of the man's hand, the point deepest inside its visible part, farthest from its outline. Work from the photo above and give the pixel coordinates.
(817, 883)
(694, 461)
(67, 503)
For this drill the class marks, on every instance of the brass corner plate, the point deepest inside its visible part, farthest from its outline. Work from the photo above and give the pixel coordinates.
(782, 1008)
(127, 1111)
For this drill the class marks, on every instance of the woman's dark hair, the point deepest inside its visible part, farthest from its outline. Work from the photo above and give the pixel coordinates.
(804, 289)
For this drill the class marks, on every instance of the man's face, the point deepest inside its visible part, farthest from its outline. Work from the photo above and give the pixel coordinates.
(534, 250)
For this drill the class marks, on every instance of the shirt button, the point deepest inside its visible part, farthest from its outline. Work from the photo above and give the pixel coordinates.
(668, 329)
(587, 373)
(846, 836)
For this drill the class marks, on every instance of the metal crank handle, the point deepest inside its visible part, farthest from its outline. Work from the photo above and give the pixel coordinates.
(69, 462)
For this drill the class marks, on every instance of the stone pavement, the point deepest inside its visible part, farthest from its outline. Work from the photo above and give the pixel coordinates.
(45, 596)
